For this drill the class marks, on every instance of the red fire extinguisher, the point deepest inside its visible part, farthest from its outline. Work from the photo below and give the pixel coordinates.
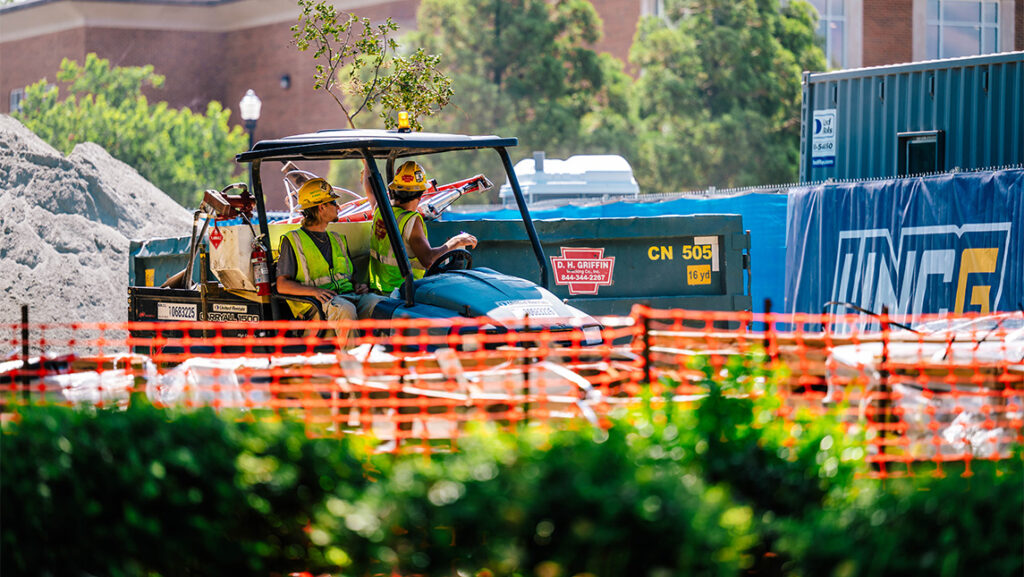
(260, 273)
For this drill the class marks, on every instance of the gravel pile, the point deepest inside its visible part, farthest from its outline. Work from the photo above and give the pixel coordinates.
(65, 225)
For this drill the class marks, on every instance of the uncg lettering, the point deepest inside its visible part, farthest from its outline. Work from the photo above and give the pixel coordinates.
(929, 270)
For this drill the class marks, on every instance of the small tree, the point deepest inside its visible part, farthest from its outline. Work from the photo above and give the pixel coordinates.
(359, 66)
(179, 151)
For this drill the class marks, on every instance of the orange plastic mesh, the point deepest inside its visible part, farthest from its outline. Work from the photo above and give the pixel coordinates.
(950, 393)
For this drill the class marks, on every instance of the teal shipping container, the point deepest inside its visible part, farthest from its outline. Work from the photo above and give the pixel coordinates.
(909, 119)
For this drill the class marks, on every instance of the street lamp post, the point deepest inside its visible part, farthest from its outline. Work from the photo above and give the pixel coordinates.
(249, 107)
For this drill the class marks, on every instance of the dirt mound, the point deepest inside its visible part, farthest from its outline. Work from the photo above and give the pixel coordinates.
(66, 224)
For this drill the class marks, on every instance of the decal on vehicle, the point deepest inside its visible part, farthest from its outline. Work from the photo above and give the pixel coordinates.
(583, 270)
(521, 312)
(523, 308)
(232, 317)
(226, 308)
(177, 312)
(216, 237)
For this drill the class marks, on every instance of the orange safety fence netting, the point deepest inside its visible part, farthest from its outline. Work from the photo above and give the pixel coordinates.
(946, 389)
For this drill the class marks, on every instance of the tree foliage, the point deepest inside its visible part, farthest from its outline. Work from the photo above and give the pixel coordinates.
(179, 151)
(358, 64)
(714, 100)
(717, 100)
(525, 68)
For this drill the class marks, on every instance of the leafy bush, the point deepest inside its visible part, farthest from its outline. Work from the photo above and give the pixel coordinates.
(706, 488)
(736, 436)
(668, 488)
(560, 503)
(146, 492)
(944, 526)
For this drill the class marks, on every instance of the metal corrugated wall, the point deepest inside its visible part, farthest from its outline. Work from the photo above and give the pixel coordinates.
(978, 103)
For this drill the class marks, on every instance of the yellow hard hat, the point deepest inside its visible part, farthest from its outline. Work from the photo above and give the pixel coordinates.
(410, 181)
(315, 192)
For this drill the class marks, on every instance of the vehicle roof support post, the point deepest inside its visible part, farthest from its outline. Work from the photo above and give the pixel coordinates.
(377, 188)
(531, 231)
(261, 215)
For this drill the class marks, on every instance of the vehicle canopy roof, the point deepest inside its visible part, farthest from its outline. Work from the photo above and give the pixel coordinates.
(340, 144)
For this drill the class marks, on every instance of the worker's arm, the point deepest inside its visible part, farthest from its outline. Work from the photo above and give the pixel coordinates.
(286, 285)
(427, 254)
(364, 175)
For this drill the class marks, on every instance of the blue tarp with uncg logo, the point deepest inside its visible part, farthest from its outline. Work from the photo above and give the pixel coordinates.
(940, 244)
(764, 215)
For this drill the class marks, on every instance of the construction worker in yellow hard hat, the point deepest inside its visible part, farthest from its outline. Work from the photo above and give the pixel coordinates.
(406, 189)
(316, 262)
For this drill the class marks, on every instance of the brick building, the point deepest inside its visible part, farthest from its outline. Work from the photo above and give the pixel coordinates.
(861, 33)
(217, 49)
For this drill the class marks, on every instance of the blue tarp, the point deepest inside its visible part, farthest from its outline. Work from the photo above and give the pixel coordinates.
(764, 215)
(940, 244)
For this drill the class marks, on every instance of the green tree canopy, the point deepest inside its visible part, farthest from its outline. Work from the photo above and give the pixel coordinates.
(715, 99)
(525, 68)
(179, 151)
(718, 93)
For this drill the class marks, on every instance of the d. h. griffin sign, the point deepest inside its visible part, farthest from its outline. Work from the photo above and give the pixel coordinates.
(583, 270)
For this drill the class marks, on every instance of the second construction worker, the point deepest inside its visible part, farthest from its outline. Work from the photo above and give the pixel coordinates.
(406, 189)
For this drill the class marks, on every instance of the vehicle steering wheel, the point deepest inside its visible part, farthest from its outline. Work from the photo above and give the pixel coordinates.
(455, 259)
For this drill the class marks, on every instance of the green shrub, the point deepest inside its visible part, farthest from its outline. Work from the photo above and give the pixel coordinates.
(705, 488)
(948, 526)
(735, 435)
(561, 503)
(146, 492)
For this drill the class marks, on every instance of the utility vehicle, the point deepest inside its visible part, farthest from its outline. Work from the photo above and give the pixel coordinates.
(451, 288)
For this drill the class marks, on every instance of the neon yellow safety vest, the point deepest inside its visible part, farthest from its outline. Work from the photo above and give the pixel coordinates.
(384, 273)
(311, 269)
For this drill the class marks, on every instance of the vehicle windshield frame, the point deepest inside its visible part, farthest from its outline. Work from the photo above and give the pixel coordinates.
(371, 146)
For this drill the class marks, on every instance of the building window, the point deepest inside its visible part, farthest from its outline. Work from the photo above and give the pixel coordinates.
(17, 95)
(962, 28)
(832, 30)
